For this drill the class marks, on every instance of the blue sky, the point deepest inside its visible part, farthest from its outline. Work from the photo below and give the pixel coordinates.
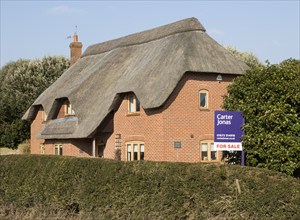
(33, 29)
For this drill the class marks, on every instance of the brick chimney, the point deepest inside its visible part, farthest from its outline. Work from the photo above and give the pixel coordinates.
(75, 49)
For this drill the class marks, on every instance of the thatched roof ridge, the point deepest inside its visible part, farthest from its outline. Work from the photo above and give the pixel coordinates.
(151, 70)
(189, 24)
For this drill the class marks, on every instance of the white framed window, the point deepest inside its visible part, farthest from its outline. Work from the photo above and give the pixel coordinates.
(58, 149)
(44, 115)
(42, 146)
(135, 151)
(203, 99)
(68, 108)
(133, 104)
(207, 152)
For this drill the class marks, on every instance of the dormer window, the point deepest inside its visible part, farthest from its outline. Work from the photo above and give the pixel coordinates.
(44, 115)
(68, 108)
(133, 104)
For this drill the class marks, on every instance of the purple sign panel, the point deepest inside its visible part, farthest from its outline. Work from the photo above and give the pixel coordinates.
(228, 130)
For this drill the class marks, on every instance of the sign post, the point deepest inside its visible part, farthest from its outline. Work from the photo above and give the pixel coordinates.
(228, 131)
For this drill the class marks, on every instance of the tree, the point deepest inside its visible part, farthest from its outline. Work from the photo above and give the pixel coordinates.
(269, 99)
(248, 58)
(21, 82)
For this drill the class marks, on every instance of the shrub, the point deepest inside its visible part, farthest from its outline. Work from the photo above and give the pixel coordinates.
(66, 187)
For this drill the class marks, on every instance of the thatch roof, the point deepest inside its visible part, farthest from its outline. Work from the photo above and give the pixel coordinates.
(148, 63)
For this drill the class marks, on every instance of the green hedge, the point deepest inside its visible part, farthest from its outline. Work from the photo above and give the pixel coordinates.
(38, 186)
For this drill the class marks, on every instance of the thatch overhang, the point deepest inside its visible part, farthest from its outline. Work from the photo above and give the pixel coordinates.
(60, 127)
(149, 64)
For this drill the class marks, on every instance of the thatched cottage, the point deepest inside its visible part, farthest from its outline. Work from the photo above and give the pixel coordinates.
(146, 96)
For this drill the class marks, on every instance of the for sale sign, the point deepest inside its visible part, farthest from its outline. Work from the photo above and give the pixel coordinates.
(228, 130)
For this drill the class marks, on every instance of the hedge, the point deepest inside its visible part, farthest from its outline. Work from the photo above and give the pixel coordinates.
(40, 186)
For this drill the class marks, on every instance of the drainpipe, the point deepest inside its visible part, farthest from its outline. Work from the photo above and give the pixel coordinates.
(94, 147)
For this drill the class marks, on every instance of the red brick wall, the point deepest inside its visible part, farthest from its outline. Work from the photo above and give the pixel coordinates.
(73, 147)
(62, 111)
(35, 127)
(180, 119)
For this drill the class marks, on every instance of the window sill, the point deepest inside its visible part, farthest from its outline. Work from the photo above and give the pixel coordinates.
(133, 113)
(210, 161)
(204, 109)
(68, 115)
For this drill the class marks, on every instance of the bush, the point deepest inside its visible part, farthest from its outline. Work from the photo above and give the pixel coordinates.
(269, 99)
(21, 82)
(51, 186)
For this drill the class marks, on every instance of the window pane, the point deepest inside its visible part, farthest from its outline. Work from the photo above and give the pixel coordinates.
(56, 150)
(131, 104)
(137, 105)
(128, 152)
(60, 150)
(204, 155)
(135, 154)
(142, 151)
(68, 107)
(44, 115)
(203, 100)
(42, 148)
(213, 153)
(128, 156)
(204, 151)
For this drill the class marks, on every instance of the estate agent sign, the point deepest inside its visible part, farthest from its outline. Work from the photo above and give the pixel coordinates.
(228, 130)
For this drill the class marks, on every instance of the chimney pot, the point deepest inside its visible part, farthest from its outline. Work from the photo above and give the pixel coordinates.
(75, 37)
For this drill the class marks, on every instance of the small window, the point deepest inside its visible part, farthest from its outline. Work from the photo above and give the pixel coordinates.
(213, 153)
(135, 151)
(207, 151)
(203, 99)
(58, 149)
(44, 115)
(142, 152)
(204, 150)
(134, 104)
(42, 146)
(68, 108)
(128, 152)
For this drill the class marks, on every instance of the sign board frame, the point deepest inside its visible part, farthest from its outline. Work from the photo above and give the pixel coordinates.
(228, 130)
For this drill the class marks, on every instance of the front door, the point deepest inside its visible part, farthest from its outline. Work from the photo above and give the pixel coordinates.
(101, 150)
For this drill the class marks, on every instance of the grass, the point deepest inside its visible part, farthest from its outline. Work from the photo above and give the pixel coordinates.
(53, 187)
(23, 148)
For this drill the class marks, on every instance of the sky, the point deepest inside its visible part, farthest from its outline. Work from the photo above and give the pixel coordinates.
(34, 29)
